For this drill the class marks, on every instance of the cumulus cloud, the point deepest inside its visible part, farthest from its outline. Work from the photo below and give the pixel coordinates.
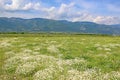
(63, 8)
(2, 3)
(63, 12)
(107, 20)
(66, 11)
(33, 6)
(28, 6)
(12, 5)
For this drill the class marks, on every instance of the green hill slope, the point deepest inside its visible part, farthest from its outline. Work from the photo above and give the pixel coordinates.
(48, 25)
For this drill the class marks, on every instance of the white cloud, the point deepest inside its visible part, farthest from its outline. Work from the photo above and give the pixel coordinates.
(82, 16)
(15, 5)
(1, 2)
(68, 12)
(62, 12)
(107, 20)
(28, 6)
(34, 6)
(65, 8)
(19, 5)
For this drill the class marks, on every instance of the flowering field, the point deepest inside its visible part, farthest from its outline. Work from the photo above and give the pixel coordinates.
(81, 57)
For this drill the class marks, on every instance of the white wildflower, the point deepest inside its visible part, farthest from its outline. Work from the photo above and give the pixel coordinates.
(114, 75)
(53, 49)
(46, 74)
(26, 69)
(5, 44)
(97, 45)
(12, 63)
(73, 61)
(99, 48)
(10, 54)
(27, 51)
(105, 46)
(107, 49)
(37, 48)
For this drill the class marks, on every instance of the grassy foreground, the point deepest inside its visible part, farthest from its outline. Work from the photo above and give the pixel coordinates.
(68, 57)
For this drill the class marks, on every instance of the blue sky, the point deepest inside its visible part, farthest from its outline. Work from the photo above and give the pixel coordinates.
(99, 11)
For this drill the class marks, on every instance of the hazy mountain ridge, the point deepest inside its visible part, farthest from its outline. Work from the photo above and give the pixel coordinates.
(48, 25)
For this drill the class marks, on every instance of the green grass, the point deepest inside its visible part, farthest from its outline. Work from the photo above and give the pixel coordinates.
(59, 57)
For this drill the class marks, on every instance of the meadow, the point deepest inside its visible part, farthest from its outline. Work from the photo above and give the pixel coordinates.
(59, 57)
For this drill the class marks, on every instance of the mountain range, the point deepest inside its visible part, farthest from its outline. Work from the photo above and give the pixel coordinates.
(48, 25)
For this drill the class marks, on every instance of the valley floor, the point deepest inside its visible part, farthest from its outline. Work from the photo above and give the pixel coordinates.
(72, 57)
